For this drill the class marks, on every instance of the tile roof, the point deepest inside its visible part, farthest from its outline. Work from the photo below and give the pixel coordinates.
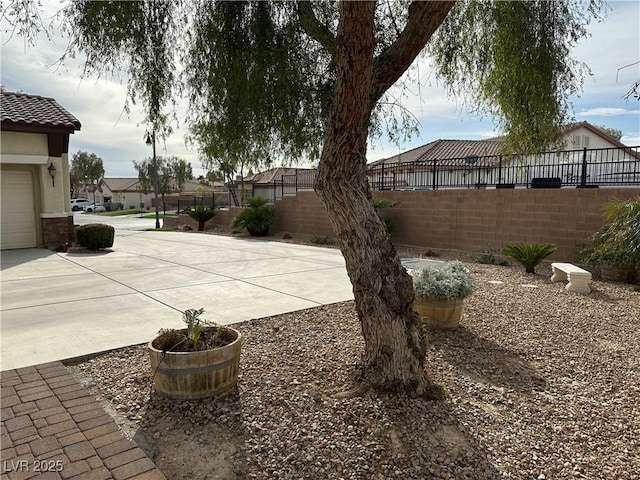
(37, 111)
(456, 151)
(121, 184)
(268, 176)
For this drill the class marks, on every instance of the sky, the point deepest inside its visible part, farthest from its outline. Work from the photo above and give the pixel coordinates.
(119, 138)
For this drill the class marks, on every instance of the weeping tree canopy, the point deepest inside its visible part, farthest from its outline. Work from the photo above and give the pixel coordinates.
(173, 172)
(294, 80)
(512, 60)
(259, 75)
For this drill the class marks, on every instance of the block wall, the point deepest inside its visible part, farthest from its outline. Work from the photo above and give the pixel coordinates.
(468, 220)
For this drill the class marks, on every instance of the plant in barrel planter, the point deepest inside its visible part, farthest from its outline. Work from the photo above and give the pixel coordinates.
(440, 292)
(199, 361)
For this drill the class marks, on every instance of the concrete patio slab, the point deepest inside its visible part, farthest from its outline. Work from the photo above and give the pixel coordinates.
(70, 329)
(327, 286)
(117, 262)
(49, 290)
(261, 268)
(51, 266)
(233, 301)
(61, 305)
(167, 277)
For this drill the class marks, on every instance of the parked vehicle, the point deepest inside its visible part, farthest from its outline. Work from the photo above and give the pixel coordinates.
(79, 203)
(94, 207)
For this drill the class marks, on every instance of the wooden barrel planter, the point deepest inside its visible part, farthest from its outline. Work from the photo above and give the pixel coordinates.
(192, 375)
(618, 273)
(439, 314)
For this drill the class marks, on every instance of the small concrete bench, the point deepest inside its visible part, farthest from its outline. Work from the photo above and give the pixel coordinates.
(578, 278)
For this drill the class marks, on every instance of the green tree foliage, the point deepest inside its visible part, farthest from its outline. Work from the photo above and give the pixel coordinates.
(256, 218)
(612, 132)
(86, 169)
(173, 172)
(512, 60)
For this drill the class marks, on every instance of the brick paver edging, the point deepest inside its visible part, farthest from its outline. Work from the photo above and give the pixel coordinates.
(52, 428)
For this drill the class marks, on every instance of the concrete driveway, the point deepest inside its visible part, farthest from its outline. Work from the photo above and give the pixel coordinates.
(57, 306)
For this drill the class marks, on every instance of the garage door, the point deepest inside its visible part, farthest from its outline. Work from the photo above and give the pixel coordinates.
(17, 209)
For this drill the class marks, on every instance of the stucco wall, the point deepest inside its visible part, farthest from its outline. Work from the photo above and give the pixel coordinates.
(19, 143)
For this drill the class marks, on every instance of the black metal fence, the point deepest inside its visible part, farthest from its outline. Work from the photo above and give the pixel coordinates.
(587, 168)
(286, 185)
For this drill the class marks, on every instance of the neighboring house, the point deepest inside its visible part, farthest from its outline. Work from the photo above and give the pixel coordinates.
(128, 192)
(122, 190)
(34, 161)
(477, 162)
(453, 157)
(275, 183)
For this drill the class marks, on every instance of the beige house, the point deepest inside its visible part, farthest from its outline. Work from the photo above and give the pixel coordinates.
(34, 149)
(477, 163)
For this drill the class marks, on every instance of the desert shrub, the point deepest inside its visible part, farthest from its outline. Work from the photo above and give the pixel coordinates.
(618, 242)
(321, 240)
(450, 282)
(529, 255)
(95, 236)
(257, 218)
(489, 257)
(201, 215)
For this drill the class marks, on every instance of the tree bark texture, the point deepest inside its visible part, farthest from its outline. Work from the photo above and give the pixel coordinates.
(394, 348)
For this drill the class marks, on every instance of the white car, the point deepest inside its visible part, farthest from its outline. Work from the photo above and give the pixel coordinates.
(94, 207)
(79, 203)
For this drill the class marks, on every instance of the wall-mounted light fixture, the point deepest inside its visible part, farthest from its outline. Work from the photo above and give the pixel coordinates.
(52, 171)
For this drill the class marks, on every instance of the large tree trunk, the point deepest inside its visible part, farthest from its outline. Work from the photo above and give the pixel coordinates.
(394, 348)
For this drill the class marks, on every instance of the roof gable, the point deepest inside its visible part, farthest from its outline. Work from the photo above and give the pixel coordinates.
(21, 109)
(575, 126)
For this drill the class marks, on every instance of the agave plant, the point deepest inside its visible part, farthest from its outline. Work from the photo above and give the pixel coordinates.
(529, 255)
(201, 215)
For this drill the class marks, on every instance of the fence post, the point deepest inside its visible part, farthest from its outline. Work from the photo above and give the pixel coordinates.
(381, 187)
(435, 174)
(500, 170)
(583, 175)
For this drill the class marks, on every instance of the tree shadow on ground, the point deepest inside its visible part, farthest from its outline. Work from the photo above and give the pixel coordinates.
(426, 439)
(195, 438)
(484, 361)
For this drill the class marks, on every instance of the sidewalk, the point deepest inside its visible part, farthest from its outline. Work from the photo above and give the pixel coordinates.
(52, 428)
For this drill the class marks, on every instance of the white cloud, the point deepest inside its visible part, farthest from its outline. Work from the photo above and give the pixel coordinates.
(607, 112)
(631, 140)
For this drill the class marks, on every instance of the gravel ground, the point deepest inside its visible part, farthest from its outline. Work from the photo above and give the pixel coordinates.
(540, 383)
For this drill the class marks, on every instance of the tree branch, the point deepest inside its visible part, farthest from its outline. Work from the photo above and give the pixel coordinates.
(424, 18)
(314, 28)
